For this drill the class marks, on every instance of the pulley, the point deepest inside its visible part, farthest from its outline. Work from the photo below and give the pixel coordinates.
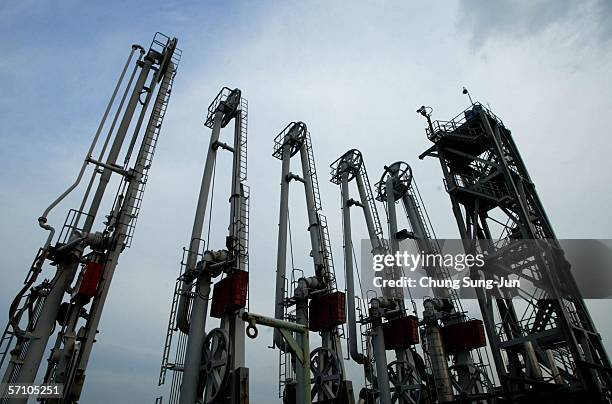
(326, 375)
(405, 388)
(215, 367)
(401, 175)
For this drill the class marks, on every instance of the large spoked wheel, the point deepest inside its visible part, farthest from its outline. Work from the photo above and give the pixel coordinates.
(326, 375)
(295, 137)
(401, 175)
(351, 163)
(404, 387)
(215, 365)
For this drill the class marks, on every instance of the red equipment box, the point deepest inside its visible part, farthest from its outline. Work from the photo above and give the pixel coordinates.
(401, 333)
(327, 311)
(230, 294)
(464, 336)
(90, 279)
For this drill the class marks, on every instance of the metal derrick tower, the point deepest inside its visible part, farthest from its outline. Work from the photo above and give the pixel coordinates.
(386, 326)
(544, 343)
(209, 367)
(315, 301)
(465, 378)
(85, 258)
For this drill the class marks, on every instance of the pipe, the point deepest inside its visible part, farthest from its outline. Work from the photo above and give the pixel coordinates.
(329, 338)
(39, 336)
(119, 139)
(350, 282)
(314, 225)
(439, 365)
(398, 293)
(42, 220)
(182, 320)
(125, 215)
(377, 247)
(237, 232)
(380, 354)
(281, 257)
(196, 323)
(302, 372)
(195, 342)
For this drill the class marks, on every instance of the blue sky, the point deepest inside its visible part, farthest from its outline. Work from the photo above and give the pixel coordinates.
(354, 73)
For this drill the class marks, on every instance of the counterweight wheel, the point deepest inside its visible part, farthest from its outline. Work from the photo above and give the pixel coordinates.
(402, 178)
(215, 365)
(295, 136)
(350, 162)
(404, 386)
(326, 375)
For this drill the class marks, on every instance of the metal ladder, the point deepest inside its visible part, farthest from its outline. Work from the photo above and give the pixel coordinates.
(244, 118)
(5, 343)
(179, 355)
(156, 119)
(8, 335)
(242, 225)
(365, 329)
(286, 373)
(413, 191)
(372, 205)
(169, 333)
(313, 173)
(326, 251)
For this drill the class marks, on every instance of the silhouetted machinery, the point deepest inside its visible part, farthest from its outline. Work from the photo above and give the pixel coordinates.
(312, 301)
(86, 252)
(543, 341)
(387, 325)
(451, 340)
(544, 344)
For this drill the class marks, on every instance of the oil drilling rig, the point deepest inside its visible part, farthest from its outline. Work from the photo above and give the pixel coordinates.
(544, 343)
(446, 330)
(85, 258)
(311, 301)
(386, 326)
(209, 367)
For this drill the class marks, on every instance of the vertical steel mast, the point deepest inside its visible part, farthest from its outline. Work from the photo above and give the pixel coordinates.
(210, 367)
(315, 301)
(346, 168)
(543, 340)
(80, 252)
(443, 316)
(387, 327)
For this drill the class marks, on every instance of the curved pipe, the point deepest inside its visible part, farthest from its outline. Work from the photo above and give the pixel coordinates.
(281, 257)
(348, 267)
(182, 318)
(43, 219)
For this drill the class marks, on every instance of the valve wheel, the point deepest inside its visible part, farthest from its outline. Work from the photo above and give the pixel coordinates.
(215, 367)
(402, 174)
(405, 389)
(326, 374)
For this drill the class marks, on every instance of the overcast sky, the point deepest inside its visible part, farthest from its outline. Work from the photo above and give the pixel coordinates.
(354, 72)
